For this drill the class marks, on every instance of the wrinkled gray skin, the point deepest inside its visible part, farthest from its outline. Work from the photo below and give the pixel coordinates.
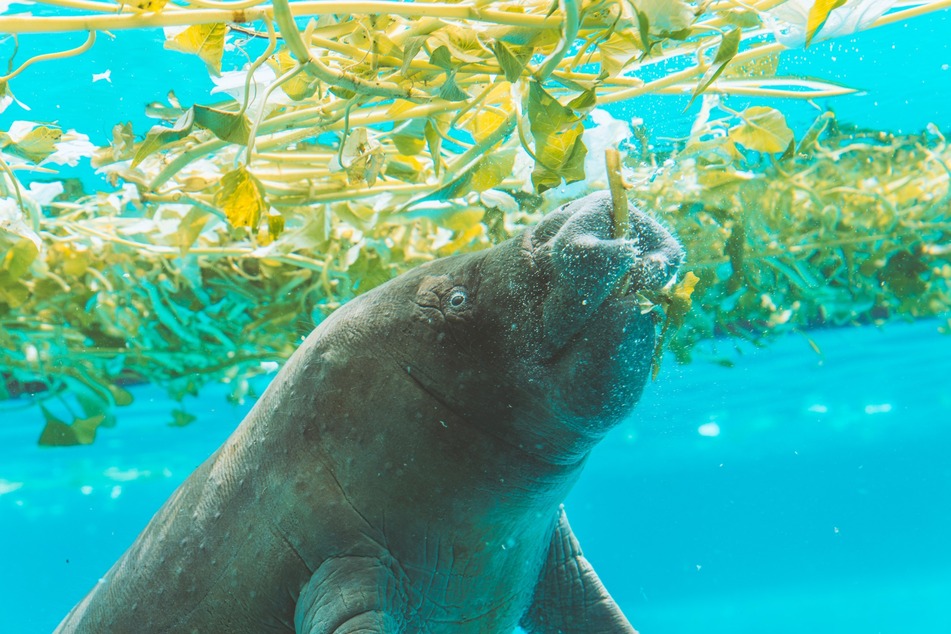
(405, 470)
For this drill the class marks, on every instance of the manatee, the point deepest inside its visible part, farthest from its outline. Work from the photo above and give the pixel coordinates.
(405, 470)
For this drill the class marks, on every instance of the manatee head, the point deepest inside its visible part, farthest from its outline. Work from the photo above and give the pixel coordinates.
(539, 339)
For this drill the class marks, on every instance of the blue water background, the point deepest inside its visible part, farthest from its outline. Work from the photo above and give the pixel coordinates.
(823, 505)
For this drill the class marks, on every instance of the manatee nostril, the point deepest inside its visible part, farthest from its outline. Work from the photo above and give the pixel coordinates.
(579, 245)
(652, 271)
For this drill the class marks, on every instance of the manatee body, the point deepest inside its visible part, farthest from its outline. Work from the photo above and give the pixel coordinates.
(405, 470)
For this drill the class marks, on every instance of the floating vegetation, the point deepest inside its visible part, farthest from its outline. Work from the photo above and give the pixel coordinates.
(847, 227)
(361, 139)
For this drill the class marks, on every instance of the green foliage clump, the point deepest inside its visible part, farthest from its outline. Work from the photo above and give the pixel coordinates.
(355, 146)
(847, 227)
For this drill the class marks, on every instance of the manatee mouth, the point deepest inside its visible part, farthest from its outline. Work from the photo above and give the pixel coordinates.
(587, 266)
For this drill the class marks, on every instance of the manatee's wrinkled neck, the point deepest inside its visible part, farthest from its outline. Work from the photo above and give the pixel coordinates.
(514, 421)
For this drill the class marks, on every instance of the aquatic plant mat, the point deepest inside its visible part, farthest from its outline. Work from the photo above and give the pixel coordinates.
(360, 139)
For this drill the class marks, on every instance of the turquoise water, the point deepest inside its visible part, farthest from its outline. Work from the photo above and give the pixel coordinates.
(817, 498)
(822, 505)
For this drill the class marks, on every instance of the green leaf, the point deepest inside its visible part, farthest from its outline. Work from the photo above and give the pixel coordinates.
(442, 57)
(408, 144)
(763, 130)
(12, 292)
(275, 224)
(729, 45)
(451, 92)
(617, 52)
(189, 228)
(56, 433)
(18, 258)
(241, 198)
(644, 31)
(584, 102)
(160, 136)
(818, 15)
(411, 47)
(814, 132)
(181, 418)
(122, 397)
(227, 126)
(37, 144)
(434, 141)
(207, 41)
(903, 274)
(559, 149)
(492, 169)
(511, 62)
(85, 428)
(486, 173)
(368, 271)
(741, 19)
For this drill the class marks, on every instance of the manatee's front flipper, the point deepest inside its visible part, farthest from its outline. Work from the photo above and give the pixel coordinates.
(349, 595)
(569, 597)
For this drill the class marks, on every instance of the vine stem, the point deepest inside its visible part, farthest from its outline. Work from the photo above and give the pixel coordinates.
(621, 214)
(188, 17)
(45, 57)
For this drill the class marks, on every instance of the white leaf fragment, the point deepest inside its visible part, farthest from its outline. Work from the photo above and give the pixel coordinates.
(789, 20)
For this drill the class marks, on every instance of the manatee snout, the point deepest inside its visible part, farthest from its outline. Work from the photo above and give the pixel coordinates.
(588, 266)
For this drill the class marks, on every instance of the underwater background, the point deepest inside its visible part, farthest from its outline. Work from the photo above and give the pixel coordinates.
(805, 488)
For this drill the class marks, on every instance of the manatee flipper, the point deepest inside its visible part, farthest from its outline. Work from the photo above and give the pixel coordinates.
(348, 595)
(569, 597)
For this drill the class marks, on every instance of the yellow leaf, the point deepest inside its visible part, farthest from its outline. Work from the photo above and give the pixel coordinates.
(146, 5)
(18, 258)
(462, 239)
(492, 170)
(559, 146)
(464, 220)
(763, 130)
(618, 51)
(300, 86)
(679, 300)
(400, 106)
(482, 122)
(818, 15)
(38, 143)
(275, 225)
(684, 289)
(241, 197)
(207, 41)
(76, 262)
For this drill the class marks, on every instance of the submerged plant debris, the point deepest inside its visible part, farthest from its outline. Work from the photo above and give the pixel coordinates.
(362, 139)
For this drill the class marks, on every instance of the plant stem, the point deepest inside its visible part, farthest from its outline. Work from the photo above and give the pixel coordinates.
(115, 22)
(621, 213)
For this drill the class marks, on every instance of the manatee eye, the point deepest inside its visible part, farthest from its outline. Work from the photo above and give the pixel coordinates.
(458, 299)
